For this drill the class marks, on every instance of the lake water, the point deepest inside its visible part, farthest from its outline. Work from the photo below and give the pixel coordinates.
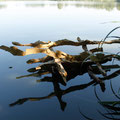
(29, 21)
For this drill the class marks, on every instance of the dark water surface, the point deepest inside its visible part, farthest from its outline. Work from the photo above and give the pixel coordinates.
(29, 21)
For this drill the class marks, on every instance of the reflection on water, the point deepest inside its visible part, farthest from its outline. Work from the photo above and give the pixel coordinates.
(58, 92)
(112, 108)
(96, 4)
(73, 70)
(56, 61)
(29, 21)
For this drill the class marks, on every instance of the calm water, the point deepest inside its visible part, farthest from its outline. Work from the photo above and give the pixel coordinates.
(29, 21)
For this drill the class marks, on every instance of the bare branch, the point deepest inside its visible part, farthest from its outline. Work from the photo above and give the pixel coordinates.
(41, 44)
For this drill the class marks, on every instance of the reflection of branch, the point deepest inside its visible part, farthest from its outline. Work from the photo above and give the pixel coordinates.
(46, 69)
(111, 118)
(21, 101)
(45, 79)
(113, 90)
(97, 80)
(86, 117)
(112, 107)
(104, 67)
(113, 75)
(56, 93)
(77, 87)
(34, 75)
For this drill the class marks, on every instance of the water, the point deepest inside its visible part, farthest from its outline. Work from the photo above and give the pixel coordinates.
(29, 21)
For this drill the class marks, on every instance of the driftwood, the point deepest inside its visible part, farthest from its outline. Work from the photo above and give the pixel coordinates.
(56, 59)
